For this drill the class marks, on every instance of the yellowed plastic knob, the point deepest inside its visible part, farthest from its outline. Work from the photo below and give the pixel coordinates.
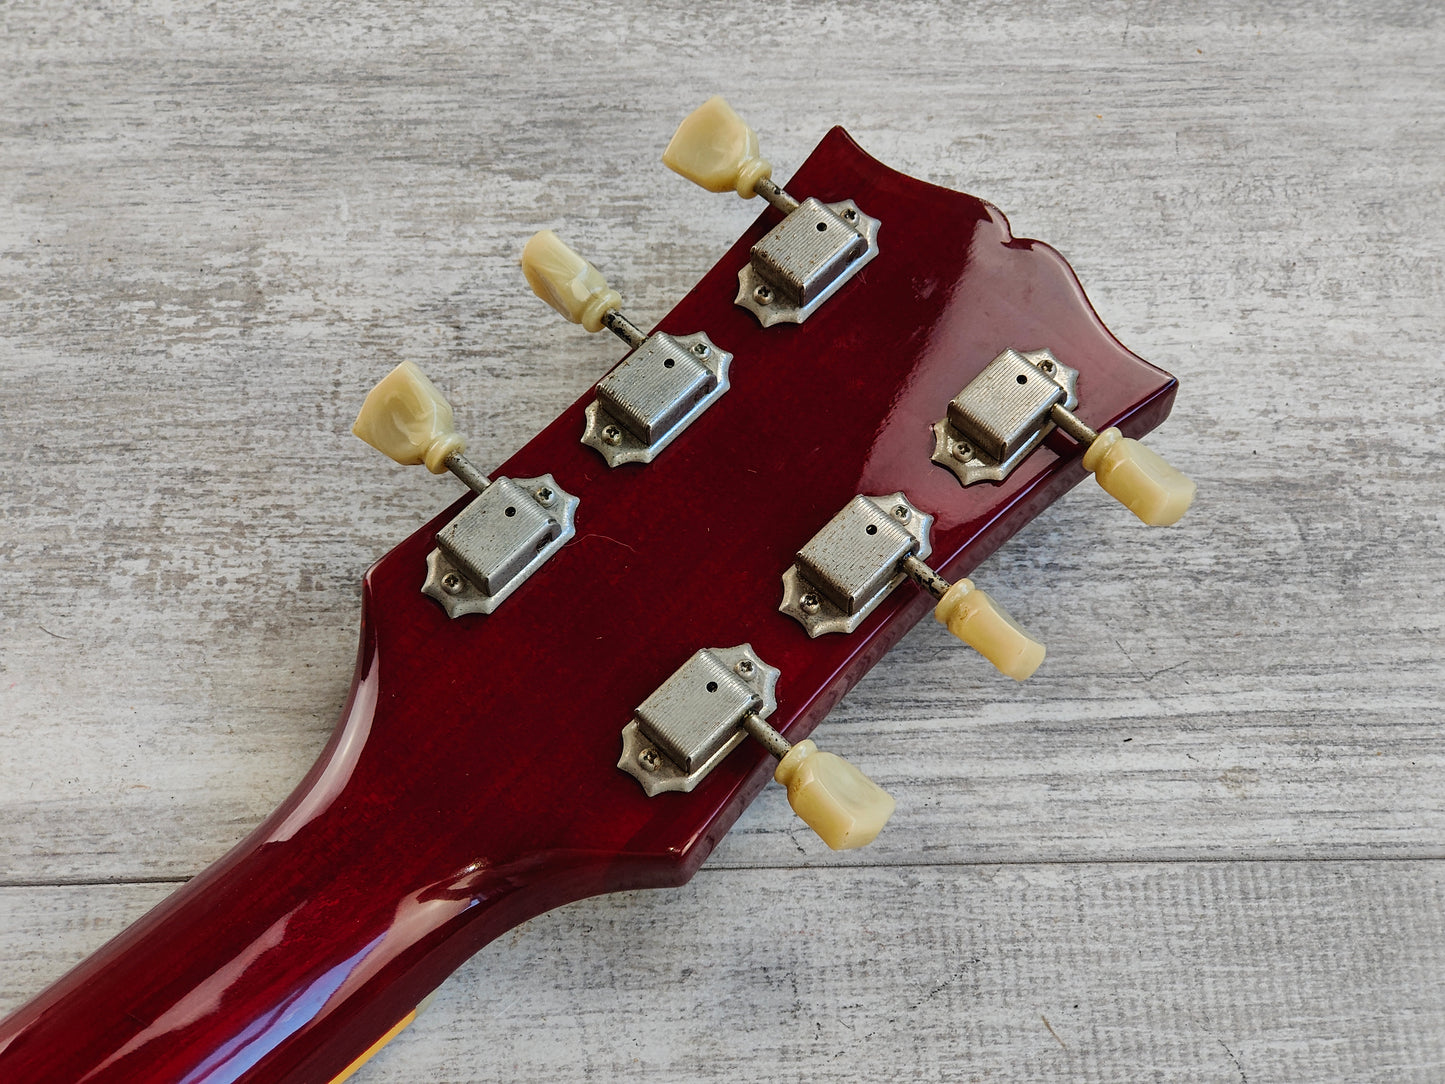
(835, 799)
(567, 282)
(1139, 478)
(980, 622)
(406, 418)
(714, 147)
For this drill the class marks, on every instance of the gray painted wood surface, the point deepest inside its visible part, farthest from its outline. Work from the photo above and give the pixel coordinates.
(1206, 842)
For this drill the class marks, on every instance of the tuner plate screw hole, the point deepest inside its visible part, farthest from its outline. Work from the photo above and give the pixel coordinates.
(712, 686)
(1022, 379)
(872, 528)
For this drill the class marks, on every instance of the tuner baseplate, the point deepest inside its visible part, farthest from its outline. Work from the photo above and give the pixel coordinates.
(1002, 415)
(695, 718)
(851, 565)
(805, 259)
(497, 541)
(653, 395)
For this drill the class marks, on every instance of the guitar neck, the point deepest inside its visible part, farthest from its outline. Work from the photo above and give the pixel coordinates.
(288, 957)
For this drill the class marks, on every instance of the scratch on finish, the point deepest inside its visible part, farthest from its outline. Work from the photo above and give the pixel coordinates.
(1052, 1032)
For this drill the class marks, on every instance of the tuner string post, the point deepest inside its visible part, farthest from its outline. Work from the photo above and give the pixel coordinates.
(466, 471)
(775, 195)
(924, 576)
(758, 728)
(623, 328)
(1069, 422)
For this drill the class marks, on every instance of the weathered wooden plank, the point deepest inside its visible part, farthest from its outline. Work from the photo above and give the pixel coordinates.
(1230, 971)
(216, 229)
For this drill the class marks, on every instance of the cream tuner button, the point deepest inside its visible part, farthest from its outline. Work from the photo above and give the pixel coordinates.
(717, 150)
(1139, 478)
(980, 622)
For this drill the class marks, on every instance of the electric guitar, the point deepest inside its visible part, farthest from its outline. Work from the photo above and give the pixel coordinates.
(574, 679)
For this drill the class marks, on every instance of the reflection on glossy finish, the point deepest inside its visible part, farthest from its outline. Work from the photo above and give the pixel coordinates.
(426, 829)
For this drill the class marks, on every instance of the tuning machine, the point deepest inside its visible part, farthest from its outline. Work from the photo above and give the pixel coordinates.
(1006, 411)
(707, 707)
(871, 546)
(658, 390)
(806, 258)
(512, 527)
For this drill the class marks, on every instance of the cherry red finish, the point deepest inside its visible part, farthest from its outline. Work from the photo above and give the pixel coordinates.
(471, 782)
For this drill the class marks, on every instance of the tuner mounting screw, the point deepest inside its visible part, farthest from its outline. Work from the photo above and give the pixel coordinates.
(744, 668)
(452, 583)
(1046, 365)
(961, 451)
(850, 215)
(901, 512)
(809, 603)
(545, 497)
(612, 435)
(650, 759)
(763, 295)
(700, 350)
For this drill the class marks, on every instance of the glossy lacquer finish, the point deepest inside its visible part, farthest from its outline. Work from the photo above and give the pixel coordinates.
(471, 782)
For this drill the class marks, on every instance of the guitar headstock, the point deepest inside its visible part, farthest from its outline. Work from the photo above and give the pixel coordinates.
(871, 391)
(574, 679)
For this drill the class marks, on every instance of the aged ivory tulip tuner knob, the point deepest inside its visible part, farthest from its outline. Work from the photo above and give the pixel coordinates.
(512, 527)
(806, 258)
(407, 419)
(1135, 476)
(1006, 411)
(867, 550)
(707, 707)
(576, 289)
(660, 389)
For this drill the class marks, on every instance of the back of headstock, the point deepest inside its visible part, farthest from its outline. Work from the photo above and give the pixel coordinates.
(509, 644)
